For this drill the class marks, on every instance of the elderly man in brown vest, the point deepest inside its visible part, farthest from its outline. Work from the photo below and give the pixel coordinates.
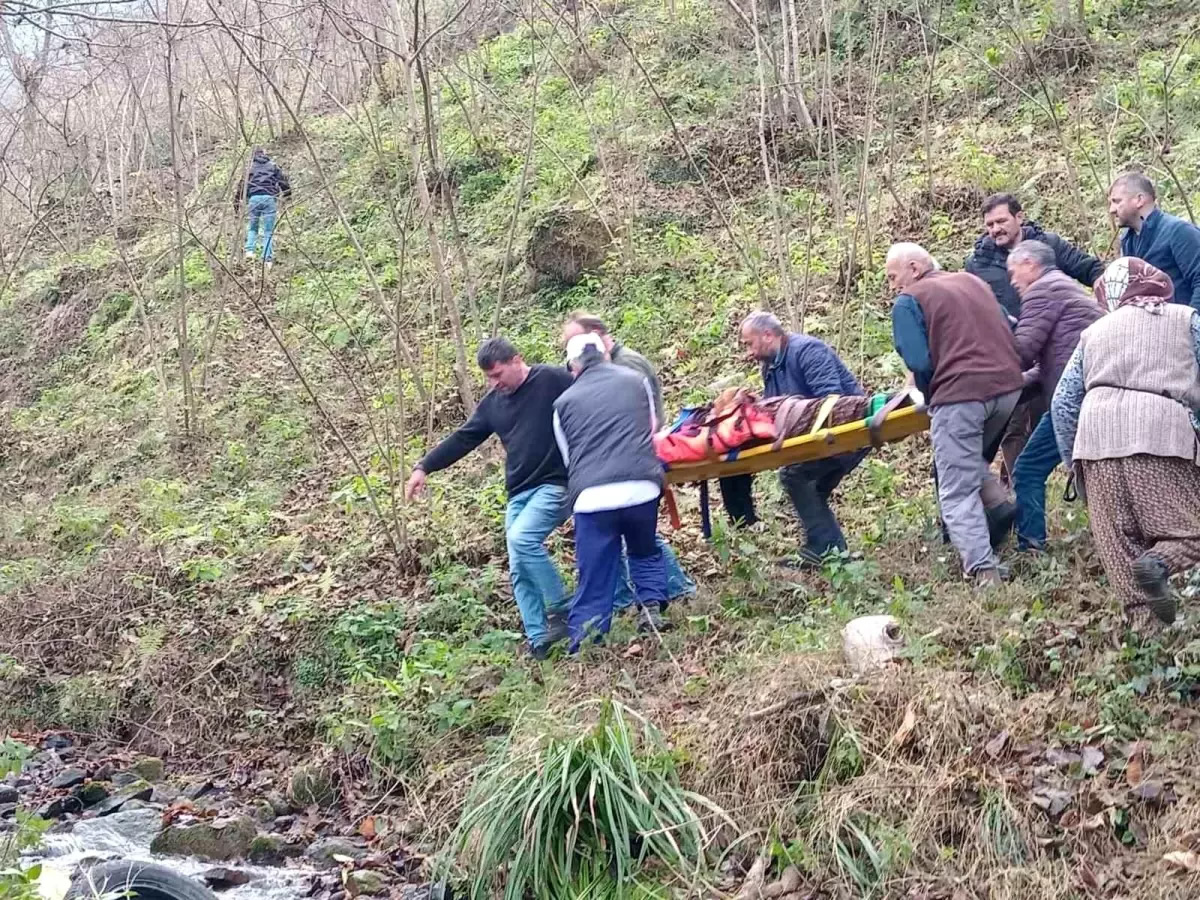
(955, 340)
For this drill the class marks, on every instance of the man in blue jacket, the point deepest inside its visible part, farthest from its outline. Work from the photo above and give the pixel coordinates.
(801, 366)
(1166, 242)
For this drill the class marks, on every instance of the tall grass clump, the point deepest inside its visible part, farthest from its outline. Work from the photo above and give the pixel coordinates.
(600, 814)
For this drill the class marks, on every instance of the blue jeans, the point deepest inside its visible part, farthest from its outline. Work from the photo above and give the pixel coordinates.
(262, 209)
(1033, 467)
(598, 537)
(678, 583)
(537, 587)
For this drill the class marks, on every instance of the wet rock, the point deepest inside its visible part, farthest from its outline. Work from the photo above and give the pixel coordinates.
(149, 768)
(365, 882)
(140, 804)
(311, 785)
(56, 742)
(68, 778)
(218, 840)
(139, 790)
(325, 851)
(566, 245)
(124, 779)
(45, 759)
(338, 895)
(273, 850)
(198, 789)
(59, 807)
(91, 793)
(283, 823)
(7, 810)
(221, 879)
(9, 794)
(105, 772)
(165, 794)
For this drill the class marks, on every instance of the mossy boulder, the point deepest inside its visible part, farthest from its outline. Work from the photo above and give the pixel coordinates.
(310, 785)
(149, 768)
(272, 850)
(217, 840)
(566, 245)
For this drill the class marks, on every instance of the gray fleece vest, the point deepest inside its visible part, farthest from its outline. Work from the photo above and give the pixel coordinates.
(605, 417)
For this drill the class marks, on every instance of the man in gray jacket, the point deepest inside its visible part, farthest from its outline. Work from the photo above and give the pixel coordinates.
(603, 425)
(679, 585)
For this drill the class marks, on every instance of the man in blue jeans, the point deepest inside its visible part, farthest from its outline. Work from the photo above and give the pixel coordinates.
(1054, 312)
(679, 585)
(519, 409)
(801, 366)
(266, 185)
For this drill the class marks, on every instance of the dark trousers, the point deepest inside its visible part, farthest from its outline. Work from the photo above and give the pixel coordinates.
(598, 538)
(809, 486)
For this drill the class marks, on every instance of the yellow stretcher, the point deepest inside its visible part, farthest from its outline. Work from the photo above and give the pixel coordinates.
(896, 425)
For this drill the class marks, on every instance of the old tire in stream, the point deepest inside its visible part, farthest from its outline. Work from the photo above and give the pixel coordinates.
(138, 881)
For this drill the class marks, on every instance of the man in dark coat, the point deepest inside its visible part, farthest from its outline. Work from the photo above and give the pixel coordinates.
(1166, 242)
(800, 366)
(266, 185)
(1005, 226)
(1054, 312)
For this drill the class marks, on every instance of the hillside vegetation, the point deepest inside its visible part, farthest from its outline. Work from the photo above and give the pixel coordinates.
(204, 548)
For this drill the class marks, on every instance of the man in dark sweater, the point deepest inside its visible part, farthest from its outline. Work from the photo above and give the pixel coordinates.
(603, 424)
(957, 343)
(1054, 312)
(1166, 242)
(519, 409)
(266, 184)
(801, 366)
(679, 585)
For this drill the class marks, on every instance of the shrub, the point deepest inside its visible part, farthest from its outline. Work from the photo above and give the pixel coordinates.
(579, 815)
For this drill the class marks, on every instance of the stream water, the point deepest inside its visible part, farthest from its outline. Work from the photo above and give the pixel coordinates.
(127, 835)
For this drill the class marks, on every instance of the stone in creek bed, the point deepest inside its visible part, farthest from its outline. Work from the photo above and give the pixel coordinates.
(68, 778)
(322, 852)
(91, 793)
(60, 807)
(9, 794)
(221, 839)
(137, 791)
(221, 879)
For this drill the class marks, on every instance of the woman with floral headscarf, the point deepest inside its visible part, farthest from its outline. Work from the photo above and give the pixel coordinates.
(1125, 416)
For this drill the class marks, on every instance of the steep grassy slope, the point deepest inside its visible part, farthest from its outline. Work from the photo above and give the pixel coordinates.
(237, 584)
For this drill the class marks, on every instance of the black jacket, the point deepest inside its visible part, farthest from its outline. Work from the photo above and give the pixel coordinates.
(266, 177)
(990, 263)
